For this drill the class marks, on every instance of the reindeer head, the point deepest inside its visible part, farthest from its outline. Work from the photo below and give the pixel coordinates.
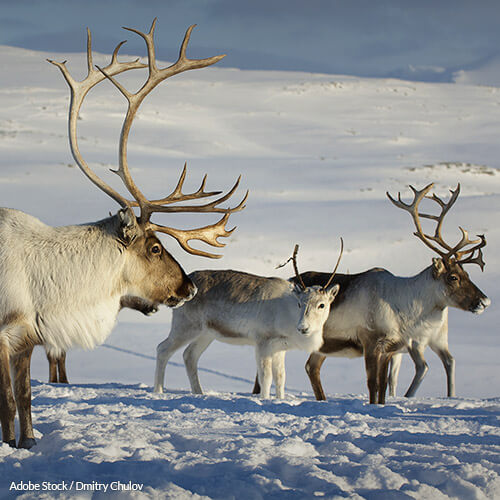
(151, 268)
(457, 289)
(314, 301)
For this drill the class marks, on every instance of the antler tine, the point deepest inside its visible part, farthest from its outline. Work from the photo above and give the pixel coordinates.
(336, 266)
(445, 207)
(478, 259)
(79, 90)
(296, 267)
(480, 243)
(461, 256)
(211, 207)
(177, 194)
(293, 258)
(207, 234)
(412, 209)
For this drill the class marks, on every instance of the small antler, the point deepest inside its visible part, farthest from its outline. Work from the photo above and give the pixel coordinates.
(206, 234)
(293, 258)
(336, 266)
(446, 251)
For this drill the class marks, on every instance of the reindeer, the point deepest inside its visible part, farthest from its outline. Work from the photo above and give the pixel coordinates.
(244, 309)
(377, 314)
(63, 286)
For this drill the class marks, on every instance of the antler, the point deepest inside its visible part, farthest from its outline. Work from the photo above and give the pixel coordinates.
(293, 258)
(79, 90)
(449, 251)
(336, 266)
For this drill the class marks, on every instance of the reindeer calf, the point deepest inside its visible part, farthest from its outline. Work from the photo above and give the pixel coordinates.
(239, 308)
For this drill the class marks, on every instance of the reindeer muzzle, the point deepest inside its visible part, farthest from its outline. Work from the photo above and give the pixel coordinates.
(480, 306)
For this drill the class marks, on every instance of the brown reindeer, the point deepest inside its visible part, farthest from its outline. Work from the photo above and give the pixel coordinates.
(63, 286)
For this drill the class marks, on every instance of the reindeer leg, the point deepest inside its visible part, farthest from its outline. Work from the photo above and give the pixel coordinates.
(440, 346)
(382, 377)
(256, 385)
(191, 356)
(416, 352)
(22, 389)
(179, 336)
(7, 402)
(53, 379)
(264, 369)
(449, 366)
(394, 367)
(372, 360)
(61, 367)
(313, 367)
(279, 374)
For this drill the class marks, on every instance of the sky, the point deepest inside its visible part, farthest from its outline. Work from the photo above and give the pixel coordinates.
(423, 41)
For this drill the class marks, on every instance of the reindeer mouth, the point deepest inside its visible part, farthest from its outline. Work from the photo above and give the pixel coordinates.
(480, 306)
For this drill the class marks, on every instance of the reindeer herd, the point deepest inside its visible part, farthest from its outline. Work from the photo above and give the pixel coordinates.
(64, 286)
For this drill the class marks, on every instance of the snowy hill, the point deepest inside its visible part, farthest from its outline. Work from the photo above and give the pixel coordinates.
(317, 153)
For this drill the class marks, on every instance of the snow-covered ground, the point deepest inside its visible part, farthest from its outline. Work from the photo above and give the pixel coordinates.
(317, 153)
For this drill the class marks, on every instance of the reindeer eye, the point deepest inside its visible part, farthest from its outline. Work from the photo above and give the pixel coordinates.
(156, 249)
(321, 306)
(452, 278)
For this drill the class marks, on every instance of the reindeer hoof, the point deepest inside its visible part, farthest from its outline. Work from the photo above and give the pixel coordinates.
(11, 443)
(26, 443)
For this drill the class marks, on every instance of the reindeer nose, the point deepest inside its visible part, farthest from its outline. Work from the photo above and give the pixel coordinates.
(303, 330)
(485, 302)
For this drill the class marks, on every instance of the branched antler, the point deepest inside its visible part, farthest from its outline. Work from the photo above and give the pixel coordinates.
(207, 234)
(446, 251)
(293, 258)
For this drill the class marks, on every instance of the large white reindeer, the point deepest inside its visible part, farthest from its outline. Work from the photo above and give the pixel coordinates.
(244, 309)
(377, 314)
(64, 286)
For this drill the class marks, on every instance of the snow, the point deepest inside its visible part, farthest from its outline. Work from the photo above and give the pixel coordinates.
(317, 152)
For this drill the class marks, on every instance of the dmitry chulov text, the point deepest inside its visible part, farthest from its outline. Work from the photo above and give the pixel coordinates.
(75, 486)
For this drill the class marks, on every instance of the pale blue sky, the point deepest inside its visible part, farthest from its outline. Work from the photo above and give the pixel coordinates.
(420, 40)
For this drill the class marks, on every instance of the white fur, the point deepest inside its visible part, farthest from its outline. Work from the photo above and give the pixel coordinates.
(62, 284)
(239, 308)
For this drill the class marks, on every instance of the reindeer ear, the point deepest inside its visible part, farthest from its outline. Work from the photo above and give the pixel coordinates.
(438, 267)
(333, 290)
(297, 289)
(129, 228)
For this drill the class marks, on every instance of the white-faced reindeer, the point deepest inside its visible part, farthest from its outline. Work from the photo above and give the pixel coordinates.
(239, 308)
(377, 314)
(63, 286)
